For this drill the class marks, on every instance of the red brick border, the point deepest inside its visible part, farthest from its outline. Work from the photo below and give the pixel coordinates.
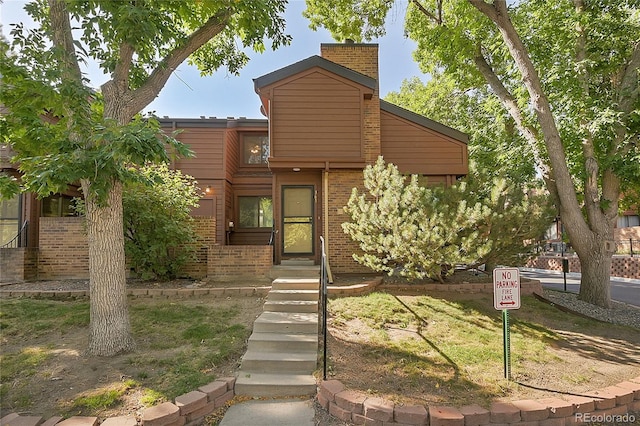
(608, 404)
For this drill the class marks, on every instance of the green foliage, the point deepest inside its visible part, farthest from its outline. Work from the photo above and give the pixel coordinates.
(416, 231)
(356, 20)
(514, 219)
(64, 131)
(158, 227)
(406, 228)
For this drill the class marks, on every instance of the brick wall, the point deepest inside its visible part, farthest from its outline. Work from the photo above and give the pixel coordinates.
(339, 245)
(621, 266)
(205, 227)
(226, 261)
(18, 264)
(64, 251)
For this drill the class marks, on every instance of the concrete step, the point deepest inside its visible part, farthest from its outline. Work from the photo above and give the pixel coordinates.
(291, 306)
(293, 295)
(294, 271)
(295, 284)
(279, 362)
(279, 342)
(274, 385)
(287, 322)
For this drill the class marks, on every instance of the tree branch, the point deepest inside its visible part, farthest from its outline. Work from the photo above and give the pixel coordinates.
(434, 18)
(530, 134)
(63, 39)
(591, 167)
(629, 90)
(144, 95)
(123, 66)
(569, 206)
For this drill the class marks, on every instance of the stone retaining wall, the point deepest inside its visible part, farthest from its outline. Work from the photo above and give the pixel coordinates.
(602, 406)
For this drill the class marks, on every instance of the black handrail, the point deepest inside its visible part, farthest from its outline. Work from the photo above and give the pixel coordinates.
(20, 240)
(324, 281)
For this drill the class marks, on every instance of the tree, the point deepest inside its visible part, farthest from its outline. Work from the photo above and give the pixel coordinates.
(93, 137)
(570, 85)
(407, 228)
(158, 227)
(412, 230)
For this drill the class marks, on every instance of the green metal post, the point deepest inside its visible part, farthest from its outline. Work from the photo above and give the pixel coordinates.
(506, 340)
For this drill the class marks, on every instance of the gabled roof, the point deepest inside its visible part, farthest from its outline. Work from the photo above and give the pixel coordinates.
(424, 121)
(313, 61)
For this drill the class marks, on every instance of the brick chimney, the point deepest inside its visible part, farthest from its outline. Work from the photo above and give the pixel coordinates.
(362, 58)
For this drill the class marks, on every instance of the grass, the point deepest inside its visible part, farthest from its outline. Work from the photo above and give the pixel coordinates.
(181, 345)
(434, 343)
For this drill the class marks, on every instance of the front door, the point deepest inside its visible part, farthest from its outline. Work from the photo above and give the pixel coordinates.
(297, 220)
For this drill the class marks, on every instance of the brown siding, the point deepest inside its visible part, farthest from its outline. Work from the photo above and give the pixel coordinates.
(232, 154)
(415, 149)
(207, 143)
(316, 115)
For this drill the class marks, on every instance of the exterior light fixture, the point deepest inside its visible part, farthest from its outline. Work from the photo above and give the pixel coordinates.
(296, 169)
(208, 190)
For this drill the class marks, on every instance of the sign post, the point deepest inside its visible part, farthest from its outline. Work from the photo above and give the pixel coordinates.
(506, 296)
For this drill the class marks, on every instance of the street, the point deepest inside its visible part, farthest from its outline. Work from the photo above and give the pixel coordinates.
(622, 290)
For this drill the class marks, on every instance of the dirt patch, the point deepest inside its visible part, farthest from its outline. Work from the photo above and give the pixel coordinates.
(67, 373)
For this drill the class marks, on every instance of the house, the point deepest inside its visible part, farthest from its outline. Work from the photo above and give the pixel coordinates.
(284, 180)
(287, 178)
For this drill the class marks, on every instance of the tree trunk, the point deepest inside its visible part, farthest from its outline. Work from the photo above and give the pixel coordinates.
(595, 284)
(109, 329)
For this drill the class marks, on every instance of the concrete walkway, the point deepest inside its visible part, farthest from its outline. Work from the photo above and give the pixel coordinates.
(270, 413)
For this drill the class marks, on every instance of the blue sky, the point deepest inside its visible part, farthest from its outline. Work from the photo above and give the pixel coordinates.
(187, 94)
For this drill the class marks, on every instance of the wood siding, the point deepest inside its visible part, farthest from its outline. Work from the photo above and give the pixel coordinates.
(317, 115)
(207, 143)
(232, 154)
(418, 150)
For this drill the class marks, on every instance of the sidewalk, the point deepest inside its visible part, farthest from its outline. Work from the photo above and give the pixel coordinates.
(270, 413)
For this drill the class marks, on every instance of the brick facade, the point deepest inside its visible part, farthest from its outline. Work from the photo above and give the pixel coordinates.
(340, 247)
(18, 264)
(63, 251)
(250, 261)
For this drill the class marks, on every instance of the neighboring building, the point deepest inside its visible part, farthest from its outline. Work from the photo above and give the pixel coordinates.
(285, 179)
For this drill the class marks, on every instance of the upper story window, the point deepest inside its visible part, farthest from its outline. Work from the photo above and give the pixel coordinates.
(255, 149)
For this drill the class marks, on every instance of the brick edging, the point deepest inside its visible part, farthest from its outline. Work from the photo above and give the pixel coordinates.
(143, 292)
(603, 405)
(189, 409)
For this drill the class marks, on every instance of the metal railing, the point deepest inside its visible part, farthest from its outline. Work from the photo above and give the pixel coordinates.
(324, 282)
(20, 240)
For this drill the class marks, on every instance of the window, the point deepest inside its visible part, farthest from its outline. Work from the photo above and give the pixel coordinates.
(255, 149)
(57, 206)
(9, 219)
(629, 220)
(255, 212)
